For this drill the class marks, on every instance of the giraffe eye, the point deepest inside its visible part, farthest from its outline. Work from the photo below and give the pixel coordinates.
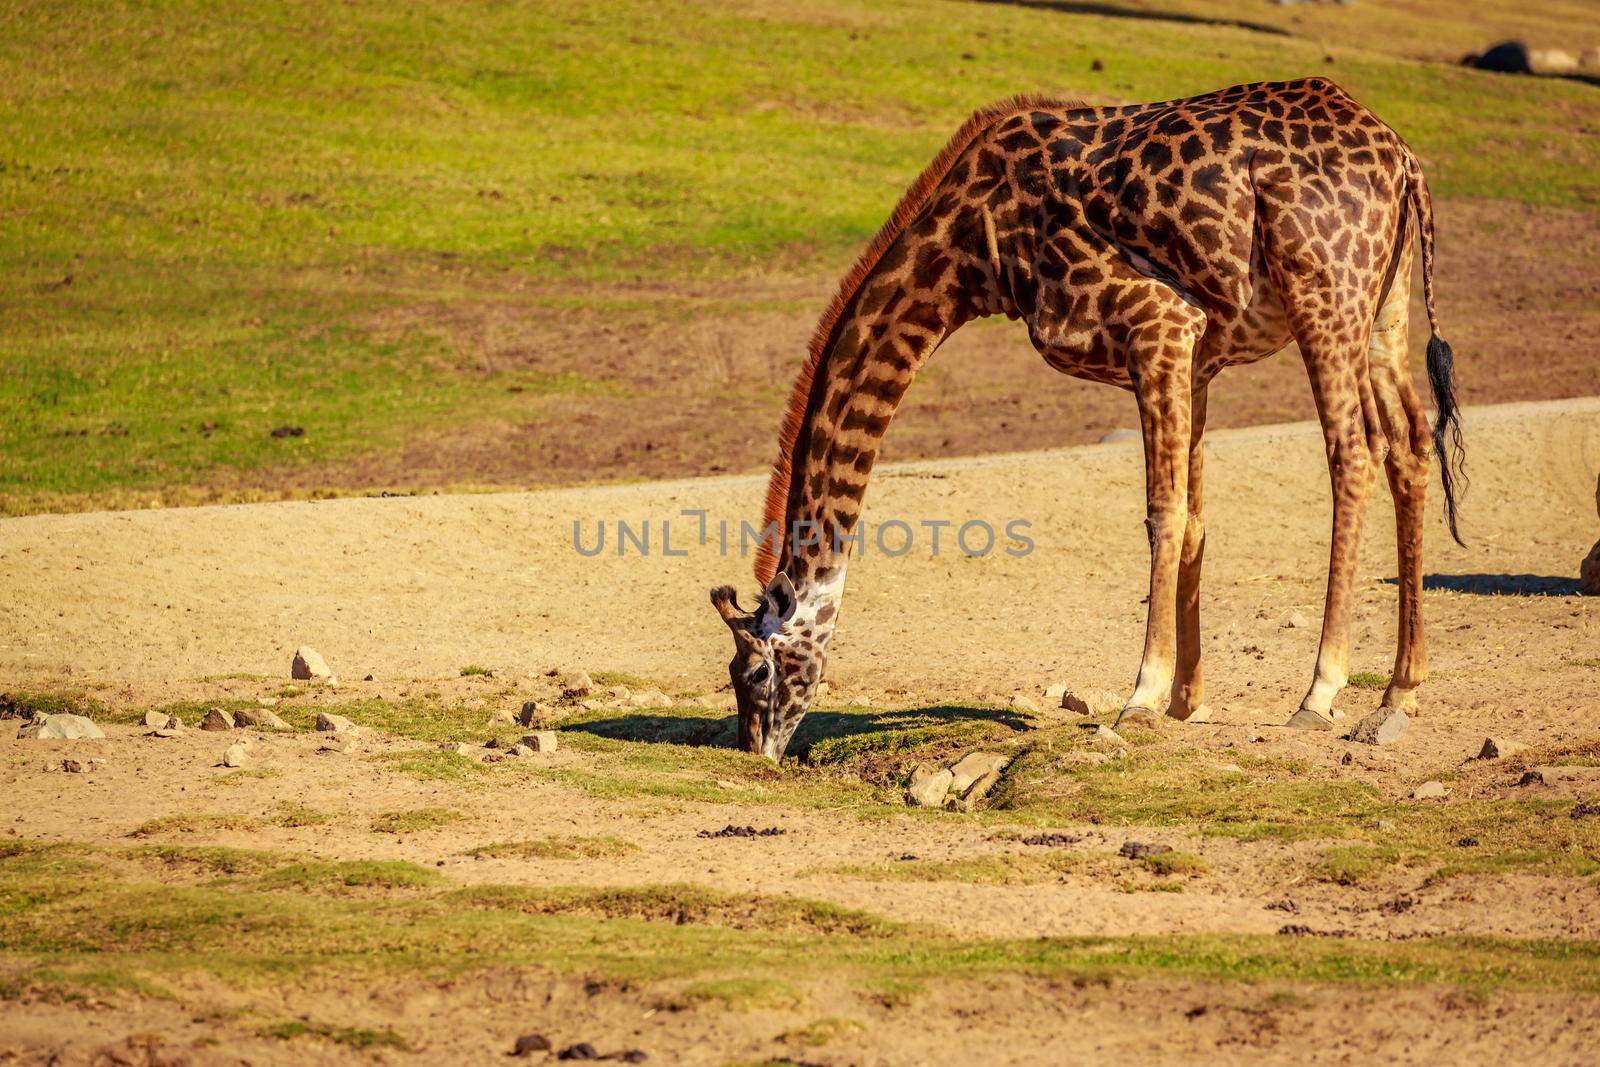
(758, 677)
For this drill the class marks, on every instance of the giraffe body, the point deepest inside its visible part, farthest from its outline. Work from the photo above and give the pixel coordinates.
(1148, 247)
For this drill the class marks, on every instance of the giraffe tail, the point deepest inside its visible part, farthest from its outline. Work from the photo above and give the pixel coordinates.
(1447, 443)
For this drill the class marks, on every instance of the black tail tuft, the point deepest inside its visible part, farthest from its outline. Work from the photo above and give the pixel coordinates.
(1447, 427)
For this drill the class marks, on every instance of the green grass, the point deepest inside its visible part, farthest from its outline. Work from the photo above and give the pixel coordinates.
(476, 672)
(349, 1036)
(414, 821)
(1369, 680)
(196, 823)
(567, 847)
(221, 222)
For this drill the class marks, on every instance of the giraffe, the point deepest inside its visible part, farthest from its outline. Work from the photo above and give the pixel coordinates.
(1145, 246)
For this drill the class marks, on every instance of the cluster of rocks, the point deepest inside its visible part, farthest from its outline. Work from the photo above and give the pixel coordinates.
(962, 785)
(492, 751)
(530, 1044)
(1060, 696)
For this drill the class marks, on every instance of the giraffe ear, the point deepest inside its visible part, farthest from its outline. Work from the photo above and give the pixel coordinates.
(778, 602)
(727, 605)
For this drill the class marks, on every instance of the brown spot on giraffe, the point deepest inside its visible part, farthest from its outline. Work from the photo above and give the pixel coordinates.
(1146, 246)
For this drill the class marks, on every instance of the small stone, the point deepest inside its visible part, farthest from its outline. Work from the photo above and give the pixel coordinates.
(1429, 791)
(1139, 850)
(1384, 726)
(72, 766)
(258, 718)
(309, 665)
(235, 756)
(532, 712)
(929, 786)
(460, 748)
(61, 727)
(528, 1044)
(156, 720)
(336, 724)
(169, 732)
(973, 766)
(521, 750)
(1074, 703)
(650, 698)
(581, 1051)
(1054, 694)
(575, 684)
(217, 719)
(493, 742)
(540, 740)
(341, 742)
(502, 717)
(1105, 735)
(1499, 748)
(618, 692)
(1533, 776)
(1023, 702)
(1296, 620)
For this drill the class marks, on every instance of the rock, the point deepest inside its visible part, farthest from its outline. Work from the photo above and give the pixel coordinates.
(540, 740)
(974, 793)
(341, 742)
(156, 720)
(258, 718)
(235, 756)
(1382, 727)
(61, 727)
(309, 665)
(581, 1051)
(929, 786)
(1499, 748)
(174, 731)
(521, 750)
(1139, 850)
(460, 748)
(1430, 791)
(1074, 703)
(1589, 572)
(1296, 620)
(618, 692)
(493, 742)
(718, 702)
(650, 698)
(575, 684)
(335, 724)
(973, 766)
(1121, 433)
(1583, 782)
(1023, 702)
(502, 717)
(1552, 61)
(72, 766)
(531, 714)
(1105, 735)
(1054, 694)
(1507, 57)
(528, 1044)
(217, 719)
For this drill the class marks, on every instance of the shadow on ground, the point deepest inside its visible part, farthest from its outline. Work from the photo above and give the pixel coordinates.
(1117, 11)
(1499, 584)
(720, 731)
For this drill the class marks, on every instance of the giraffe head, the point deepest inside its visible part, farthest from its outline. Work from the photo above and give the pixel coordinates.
(777, 662)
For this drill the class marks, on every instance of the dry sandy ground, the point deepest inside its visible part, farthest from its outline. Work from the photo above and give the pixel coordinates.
(158, 605)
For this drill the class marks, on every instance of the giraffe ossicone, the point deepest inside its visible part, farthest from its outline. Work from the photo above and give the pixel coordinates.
(1146, 246)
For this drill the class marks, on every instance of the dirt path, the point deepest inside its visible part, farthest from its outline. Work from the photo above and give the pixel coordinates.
(147, 607)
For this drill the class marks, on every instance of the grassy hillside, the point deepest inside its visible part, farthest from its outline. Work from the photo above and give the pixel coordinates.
(221, 223)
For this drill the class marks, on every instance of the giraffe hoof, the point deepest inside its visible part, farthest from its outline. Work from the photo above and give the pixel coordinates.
(1197, 714)
(1142, 718)
(1306, 719)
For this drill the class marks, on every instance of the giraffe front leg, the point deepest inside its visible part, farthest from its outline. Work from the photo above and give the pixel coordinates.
(1160, 369)
(1188, 685)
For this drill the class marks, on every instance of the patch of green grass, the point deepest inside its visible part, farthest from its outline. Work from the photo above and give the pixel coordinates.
(213, 859)
(291, 814)
(1592, 661)
(820, 1032)
(28, 705)
(435, 765)
(569, 847)
(741, 994)
(603, 679)
(248, 774)
(1369, 680)
(337, 876)
(349, 1036)
(1176, 862)
(476, 672)
(196, 823)
(206, 248)
(1354, 864)
(415, 821)
(978, 870)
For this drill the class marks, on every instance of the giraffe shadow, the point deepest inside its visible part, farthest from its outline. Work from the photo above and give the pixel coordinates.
(721, 731)
(1498, 584)
(1118, 11)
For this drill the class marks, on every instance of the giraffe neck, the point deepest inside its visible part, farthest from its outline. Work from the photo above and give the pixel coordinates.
(904, 310)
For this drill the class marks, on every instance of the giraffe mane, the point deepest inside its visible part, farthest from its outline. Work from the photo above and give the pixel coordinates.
(822, 338)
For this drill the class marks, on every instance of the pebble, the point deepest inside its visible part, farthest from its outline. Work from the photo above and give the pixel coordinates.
(581, 1051)
(532, 712)
(156, 720)
(308, 665)
(1296, 620)
(1384, 726)
(1105, 735)
(521, 750)
(217, 719)
(340, 742)
(575, 684)
(502, 717)
(60, 727)
(337, 724)
(1055, 694)
(1429, 791)
(1139, 850)
(650, 698)
(528, 1044)
(1023, 702)
(928, 786)
(540, 740)
(973, 767)
(1499, 748)
(260, 719)
(235, 756)
(460, 748)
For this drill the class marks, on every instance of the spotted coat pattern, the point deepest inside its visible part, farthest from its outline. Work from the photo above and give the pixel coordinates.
(1146, 246)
